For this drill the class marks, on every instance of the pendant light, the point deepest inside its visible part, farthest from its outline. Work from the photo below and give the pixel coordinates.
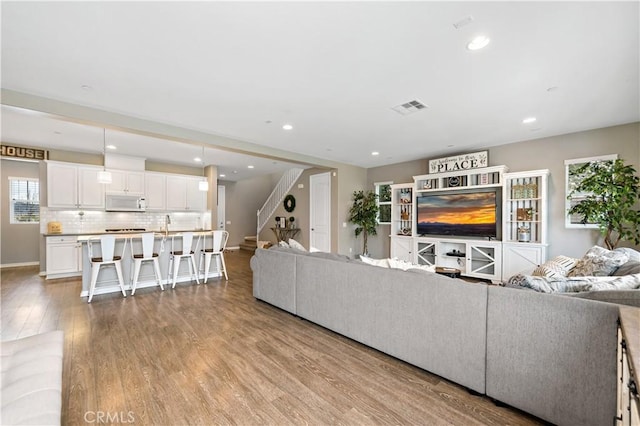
(203, 185)
(104, 176)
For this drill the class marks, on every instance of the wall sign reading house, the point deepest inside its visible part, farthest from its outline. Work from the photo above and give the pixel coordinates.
(474, 160)
(22, 152)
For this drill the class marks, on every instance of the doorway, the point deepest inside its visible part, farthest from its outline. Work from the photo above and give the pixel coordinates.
(320, 211)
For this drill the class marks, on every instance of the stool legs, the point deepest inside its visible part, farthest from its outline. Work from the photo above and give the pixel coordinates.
(136, 274)
(120, 280)
(207, 264)
(175, 261)
(156, 266)
(95, 271)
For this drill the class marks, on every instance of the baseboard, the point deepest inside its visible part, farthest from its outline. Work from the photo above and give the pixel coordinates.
(18, 265)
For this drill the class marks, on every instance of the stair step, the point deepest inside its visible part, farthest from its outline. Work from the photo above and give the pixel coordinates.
(248, 247)
(250, 238)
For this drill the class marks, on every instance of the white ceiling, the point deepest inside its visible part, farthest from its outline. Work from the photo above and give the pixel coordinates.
(333, 70)
(30, 128)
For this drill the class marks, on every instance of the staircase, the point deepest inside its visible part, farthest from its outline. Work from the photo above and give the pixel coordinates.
(285, 183)
(249, 244)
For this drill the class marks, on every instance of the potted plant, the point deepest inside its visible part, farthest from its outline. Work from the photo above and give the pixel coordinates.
(613, 191)
(364, 213)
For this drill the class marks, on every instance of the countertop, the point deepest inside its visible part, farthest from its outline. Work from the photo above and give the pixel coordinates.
(630, 322)
(94, 233)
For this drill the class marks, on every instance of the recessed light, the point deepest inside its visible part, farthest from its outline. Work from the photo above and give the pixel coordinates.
(529, 120)
(112, 147)
(235, 172)
(552, 89)
(249, 167)
(222, 175)
(478, 43)
(86, 87)
(198, 160)
(287, 127)
(375, 153)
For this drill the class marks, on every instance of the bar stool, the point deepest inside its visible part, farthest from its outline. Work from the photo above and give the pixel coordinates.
(175, 256)
(147, 255)
(107, 250)
(218, 243)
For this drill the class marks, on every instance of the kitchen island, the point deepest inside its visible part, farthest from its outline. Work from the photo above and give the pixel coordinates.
(129, 243)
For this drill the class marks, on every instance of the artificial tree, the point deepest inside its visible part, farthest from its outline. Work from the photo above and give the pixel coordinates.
(364, 213)
(613, 193)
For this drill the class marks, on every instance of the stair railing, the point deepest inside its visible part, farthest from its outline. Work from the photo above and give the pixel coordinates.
(285, 184)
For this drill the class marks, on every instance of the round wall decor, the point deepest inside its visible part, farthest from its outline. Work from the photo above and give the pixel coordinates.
(289, 203)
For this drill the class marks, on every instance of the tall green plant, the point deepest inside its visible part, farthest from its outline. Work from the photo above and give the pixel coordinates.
(364, 213)
(613, 190)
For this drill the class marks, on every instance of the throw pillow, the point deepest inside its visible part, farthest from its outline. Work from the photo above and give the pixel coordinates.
(383, 263)
(598, 262)
(633, 254)
(404, 265)
(559, 266)
(296, 245)
(283, 244)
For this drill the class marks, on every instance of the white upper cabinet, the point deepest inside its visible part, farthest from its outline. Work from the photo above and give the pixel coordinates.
(183, 193)
(74, 186)
(126, 182)
(156, 191)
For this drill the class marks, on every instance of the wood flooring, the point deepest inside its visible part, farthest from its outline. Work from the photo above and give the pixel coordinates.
(211, 354)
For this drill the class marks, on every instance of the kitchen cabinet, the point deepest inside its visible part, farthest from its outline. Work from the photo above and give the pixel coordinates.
(74, 186)
(402, 248)
(126, 182)
(183, 193)
(64, 257)
(155, 191)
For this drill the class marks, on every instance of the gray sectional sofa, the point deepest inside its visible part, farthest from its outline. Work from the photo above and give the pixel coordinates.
(548, 355)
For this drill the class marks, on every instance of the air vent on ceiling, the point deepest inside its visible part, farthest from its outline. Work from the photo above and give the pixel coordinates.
(409, 107)
(461, 23)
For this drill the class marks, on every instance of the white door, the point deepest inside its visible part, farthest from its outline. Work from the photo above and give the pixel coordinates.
(320, 211)
(221, 220)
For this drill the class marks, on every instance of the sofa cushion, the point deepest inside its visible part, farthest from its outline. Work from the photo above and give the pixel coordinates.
(629, 268)
(598, 262)
(32, 379)
(330, 256)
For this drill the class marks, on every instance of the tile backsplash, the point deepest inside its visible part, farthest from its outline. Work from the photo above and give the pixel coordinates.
(81, 221)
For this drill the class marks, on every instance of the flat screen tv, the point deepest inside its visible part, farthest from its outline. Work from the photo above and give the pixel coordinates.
(465, 213)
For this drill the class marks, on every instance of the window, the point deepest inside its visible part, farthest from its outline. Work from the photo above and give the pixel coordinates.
(24, 203)
(383, 190)
(572, 221)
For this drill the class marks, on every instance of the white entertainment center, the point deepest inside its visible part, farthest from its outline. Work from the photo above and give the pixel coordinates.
(519, 243)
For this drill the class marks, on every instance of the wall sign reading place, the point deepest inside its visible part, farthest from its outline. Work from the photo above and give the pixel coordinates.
(473, 160)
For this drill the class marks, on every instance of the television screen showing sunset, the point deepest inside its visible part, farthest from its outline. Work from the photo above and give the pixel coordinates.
(472, 214)
(459, 209)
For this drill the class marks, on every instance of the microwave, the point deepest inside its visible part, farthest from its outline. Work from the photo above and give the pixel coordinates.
(125, 203)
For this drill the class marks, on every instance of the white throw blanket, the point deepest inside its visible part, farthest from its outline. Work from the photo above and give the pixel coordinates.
(575, 284)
